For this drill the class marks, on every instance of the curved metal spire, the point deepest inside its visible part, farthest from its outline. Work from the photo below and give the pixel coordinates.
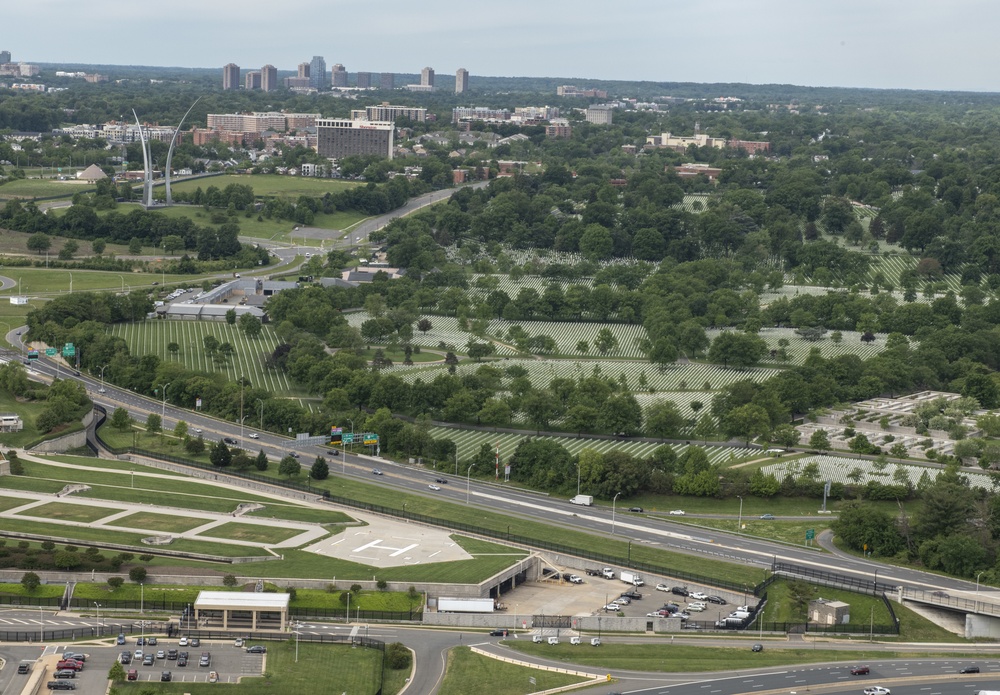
(170, 151)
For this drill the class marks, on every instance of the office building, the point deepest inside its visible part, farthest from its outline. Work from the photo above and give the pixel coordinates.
(260, 121)
(303, 70)
(317, 73)
(269, 78)
(478, 113)
(387, 80)
(559, 128)
(599, 114)
(387, 113)
(427, 77)
(461, 81)
(296, 83)
(337, 138)
(571, 91)
(680, 143)
(252, 80)
(364, 80)
(4, 56)
(339, 76)
(231, 76)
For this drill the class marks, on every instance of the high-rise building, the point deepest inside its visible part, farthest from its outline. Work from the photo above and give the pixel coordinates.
(388, 113)
(387, 80)
(337, 138)
(317, 73)
(303, 70)
(339, 75)
(461, 81)
(364, 80)
(230, 76)
(269, 78)
(4, 56)
(252, 80)
(427, 77)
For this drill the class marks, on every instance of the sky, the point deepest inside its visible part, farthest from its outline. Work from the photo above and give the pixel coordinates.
(902, 44)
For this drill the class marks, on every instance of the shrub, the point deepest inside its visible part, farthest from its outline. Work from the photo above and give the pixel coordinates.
(126, 557)
(23, 545)
(137, 574)
(48, 545)
(30, 581)
(382, 585)
(229, 580)
(115, 583)
(397, 656)
(331, 588)
(146, 558)
(292, 593)
(355, 589)
(71, 548)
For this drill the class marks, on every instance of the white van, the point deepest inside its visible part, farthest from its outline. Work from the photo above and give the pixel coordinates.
(553, 640)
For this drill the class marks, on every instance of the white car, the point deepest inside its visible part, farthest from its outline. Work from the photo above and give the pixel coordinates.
(877, 690)
(697, 607)
(574, 579)
(614, 607)
(238, 642)
(574, 640)
(698, 595)
(434, 487)
(662, 587)
(197, 430)
(623, 600)
(102, 390)
(254, 435)
(183, 642)
(676, 512)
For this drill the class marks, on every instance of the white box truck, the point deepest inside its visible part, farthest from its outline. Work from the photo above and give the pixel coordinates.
(465, 605)
(632, 578)
(585, 500)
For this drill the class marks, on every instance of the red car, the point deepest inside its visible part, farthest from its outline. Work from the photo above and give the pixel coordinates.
(69, 664)
(860, 671)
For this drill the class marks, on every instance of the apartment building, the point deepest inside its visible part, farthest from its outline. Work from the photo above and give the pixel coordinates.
(231, 76)
(338, 138)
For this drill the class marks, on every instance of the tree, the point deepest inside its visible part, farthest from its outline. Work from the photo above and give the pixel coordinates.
(153, 423)
(785, 435)
(746, 422)
(424, 325)
(30, 581)
(863, 526)
(819, 440)
(98, 245)
(135, 246)
(740, 350)
(181, 429)
(397, 656)
(260, 463)
(116, 673)
(289, 467)
(115, 583)
(582, 347)
(230, 580)
(39, 242)
(251, 325)
(606, 341)
(320, 470)
(121, 420)
(173, 349)
(220, 455)
(137, 574)
(663, 420)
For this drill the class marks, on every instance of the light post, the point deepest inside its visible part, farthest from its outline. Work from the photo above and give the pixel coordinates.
(41, 625)
(347, 618)
(102, 377)
(163, 405)
(975, 605)
(613, 502)
(122, 278)
(875, 585)
(352, 433)
(242, 384)
(100, 625)
(71, 283)
(468, 484)
(298, 626)
(142, 599)
(261, 401)
(739, 523)
(578, 477)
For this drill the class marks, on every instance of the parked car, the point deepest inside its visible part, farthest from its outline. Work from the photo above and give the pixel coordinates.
(613, 607)
(633, 595)
(536, 639)
(257, 649)
(138, 655)
(194, 642)
(238, 642)
(125, 658)
(205, 660)
(623, 600)
(182, 661)
(133, 675)
(698, 595)
(860, 671)
(758, 647)
(183, 642)
(61, 685)
(160, 654)
(676, 512)
(213, 676)
(574, 640)
(64, 673)
(574, 579)
(717, 600)
(151, 641)
(970, 669)
(147, 660)
(172, 654)
(165, 677)
(121, 638)
(662, 587)
(595, 641)
(70, 663)
(697, 607)
(553, 640)
(680, 591)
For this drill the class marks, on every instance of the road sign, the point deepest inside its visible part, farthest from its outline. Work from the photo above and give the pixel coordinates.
(810, 534)
(336, 435)
(51, 352)
(348, 437)
(69, 350)
(33, 355)
(370, 439)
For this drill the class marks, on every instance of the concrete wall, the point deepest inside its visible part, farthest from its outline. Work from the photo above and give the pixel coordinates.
(978, 626)
(585, 623)
(61, 444)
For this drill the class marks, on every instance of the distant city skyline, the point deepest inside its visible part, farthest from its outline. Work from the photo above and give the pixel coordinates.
(918, 44)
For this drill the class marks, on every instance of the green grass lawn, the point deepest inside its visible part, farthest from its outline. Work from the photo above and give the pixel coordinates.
(270, 185)
(397, 356)
(42, 188)
(29, 412)
(65, 511)
(865, 609)
(115, 464)
(683, 658)
(42, 591)
(11, 502)
(473, 673)
(49, 282)
(394, 601)
(250, 532)
(164, 523)
(95, 591)
(776, 530)
(292, 513)
(320, 669)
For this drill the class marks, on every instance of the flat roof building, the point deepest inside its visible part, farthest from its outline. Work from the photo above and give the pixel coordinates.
(339, 138)
(236, 605)
(339, 75)
(461, 81)
(231, 76)
(269, 78)
(317, 73)
(252, 80)
(427, 77)
(387, 80)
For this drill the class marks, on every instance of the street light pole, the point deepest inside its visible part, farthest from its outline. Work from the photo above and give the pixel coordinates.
(975, 605)
(142, 598)
(739, 523)
(163, 407)
(98, 616)
(578, 477)
(259, 400)
(613, 502)
(468, 484)
(102, 377)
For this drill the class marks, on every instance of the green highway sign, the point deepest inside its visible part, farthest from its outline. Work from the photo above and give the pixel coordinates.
(348, 437)
(69, 350)
(810, 534)
(50, 352)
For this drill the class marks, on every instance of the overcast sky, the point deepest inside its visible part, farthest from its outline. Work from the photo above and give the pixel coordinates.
(920, 44)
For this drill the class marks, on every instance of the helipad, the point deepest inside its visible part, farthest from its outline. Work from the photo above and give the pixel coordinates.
(389, 543)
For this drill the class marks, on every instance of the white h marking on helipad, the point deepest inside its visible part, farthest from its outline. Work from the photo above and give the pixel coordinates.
(378, 544)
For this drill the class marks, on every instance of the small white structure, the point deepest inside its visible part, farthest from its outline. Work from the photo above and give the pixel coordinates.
(11, 422)
(235, 605)
(18, 301)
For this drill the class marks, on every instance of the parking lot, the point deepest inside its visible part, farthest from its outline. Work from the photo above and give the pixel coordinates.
(227, 661)
(556, 596)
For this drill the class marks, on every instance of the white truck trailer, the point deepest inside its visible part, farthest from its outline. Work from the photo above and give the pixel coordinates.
(465, 605)
(585, 500)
